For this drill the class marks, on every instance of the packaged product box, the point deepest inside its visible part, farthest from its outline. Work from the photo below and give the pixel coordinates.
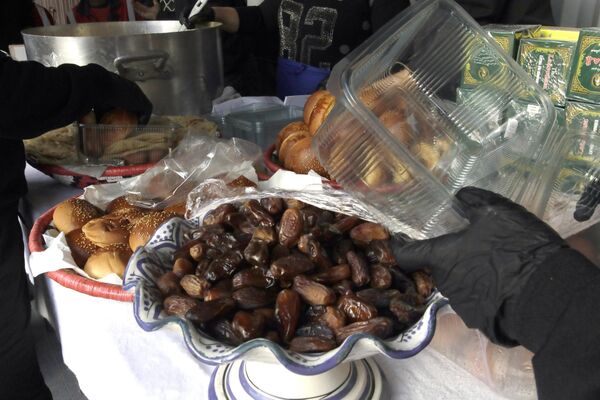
(583, 118)
(549, 64)
(584, 84)
(557, 33)
(483, 65)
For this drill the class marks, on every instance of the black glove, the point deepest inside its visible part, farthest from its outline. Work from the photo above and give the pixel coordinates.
(484, 268)
(114, 91)
(205, 15)
(589, 200)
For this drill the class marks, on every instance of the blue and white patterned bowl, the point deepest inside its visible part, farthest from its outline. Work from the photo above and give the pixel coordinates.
(148, 263)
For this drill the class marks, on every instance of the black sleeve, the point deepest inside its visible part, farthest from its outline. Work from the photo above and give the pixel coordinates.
(36, 99)
(558, 319)
(270, 12)
(251, 19)
(509, 11)
(384, 10)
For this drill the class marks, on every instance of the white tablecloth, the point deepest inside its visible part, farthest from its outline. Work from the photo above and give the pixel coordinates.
(113, 358)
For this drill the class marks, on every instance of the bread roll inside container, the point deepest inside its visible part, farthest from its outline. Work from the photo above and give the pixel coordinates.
(181, 71)
(401, 140)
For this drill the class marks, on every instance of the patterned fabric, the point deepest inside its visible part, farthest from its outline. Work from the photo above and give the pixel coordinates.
(167, 5)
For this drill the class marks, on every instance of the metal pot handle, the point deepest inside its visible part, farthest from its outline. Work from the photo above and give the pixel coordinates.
(142, 67)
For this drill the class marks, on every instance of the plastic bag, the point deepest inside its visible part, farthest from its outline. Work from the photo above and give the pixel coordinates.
(194, 160)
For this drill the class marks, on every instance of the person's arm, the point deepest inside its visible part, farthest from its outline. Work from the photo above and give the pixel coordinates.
(384, 10)
(511, 276)
(36, 99)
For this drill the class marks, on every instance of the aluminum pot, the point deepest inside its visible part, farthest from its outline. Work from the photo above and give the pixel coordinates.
(181, 71)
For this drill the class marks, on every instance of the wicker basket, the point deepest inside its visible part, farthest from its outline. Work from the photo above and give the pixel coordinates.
(75, 179)
(68, 278)
(272, 163)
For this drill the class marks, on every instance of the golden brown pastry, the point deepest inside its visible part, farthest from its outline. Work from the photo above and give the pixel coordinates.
(81, 247)
(73, 214)
(287, 130)
(178, 209)
(145, 227)
(321, 110)
(301, 159)
(104, 232)
(289, 142)
(311, 103)
(119, 204)
(107, 261)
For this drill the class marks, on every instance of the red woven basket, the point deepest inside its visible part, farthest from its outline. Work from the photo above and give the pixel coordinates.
(274, 166)
(70, 279)
(75, 179)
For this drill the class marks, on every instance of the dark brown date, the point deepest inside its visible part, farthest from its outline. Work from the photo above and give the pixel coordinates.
(250, 297)
(288, 267)
(184, 251)
(222, 330)
(256, 214)
(313, 313)
(168, 284)
(202, 267)
(273, 336)
(333, 318)
(212, 253)
(402, 282)
(381, 277)
(340, 250)
(197, 251)
(318, 330)
(183, 266)
(217, 216)
(279, 251)
(224, 266)
(356, 309)
(257, 253)
(265, 235)
(312, 292)
(252, 277)
(423, 282)
(404, 312)
(208, 310)
(238, 221)
(194, 286)
(366, 232)
(222, 242)
(207, 230)
(287, 311)
(359, 268)
(269, 315)
(291, 227)
(310, 217)
(310, 344)
(333, 274)
(220, 290)
(248, 326)
(380, 298)
(178, 305)
(345, 224)
(343, 287)
(293, 203)
(243, 239)
(379, 252)
(273, 205)
(380, 327)
(315, 252)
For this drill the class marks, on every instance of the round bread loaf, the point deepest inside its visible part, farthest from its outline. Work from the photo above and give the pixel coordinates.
(289, 142)
(73, 214)
(107, 261)
(301, 159)
(311, 103)
(81, 247)
(178, 209)
(321, 110)
(287, 130)
(120, 204)
(145, 227)
(127, 217)
(104, 232)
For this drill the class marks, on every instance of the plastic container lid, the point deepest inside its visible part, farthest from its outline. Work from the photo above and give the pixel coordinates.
(406, 133)
(259, 123)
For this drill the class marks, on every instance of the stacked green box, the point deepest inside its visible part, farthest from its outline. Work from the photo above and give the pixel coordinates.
(483, 64)
(549, 64)
(584, 85)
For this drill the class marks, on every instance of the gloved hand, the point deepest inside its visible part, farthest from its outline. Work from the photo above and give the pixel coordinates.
(484, 268)
(114, 91)
(205, 15)
(589, 200)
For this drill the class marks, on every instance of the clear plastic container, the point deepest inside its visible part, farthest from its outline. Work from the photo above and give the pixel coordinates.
(124, 144)
(403, 138)
(259, 123)
(576, 168)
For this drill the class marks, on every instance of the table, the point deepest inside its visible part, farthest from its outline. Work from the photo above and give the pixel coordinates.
(113, 358)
